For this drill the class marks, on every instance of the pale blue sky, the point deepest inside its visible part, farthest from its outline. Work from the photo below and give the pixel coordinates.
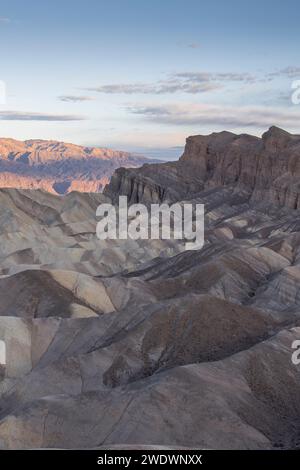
(142, 75)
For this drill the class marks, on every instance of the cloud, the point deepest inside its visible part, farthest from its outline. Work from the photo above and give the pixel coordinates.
(289, 72)
(198, 77)
(3, 19)
(194, 45)
(24, 116)
(167, 86)
(214, 115)
(75, 99)
(190, 45)
(183, 82)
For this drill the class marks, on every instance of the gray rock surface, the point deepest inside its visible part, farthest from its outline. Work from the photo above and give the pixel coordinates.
(140, 344)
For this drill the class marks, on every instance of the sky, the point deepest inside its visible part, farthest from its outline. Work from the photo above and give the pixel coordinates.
(142, 76)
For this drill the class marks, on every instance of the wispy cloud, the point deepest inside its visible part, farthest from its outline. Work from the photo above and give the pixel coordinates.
(161, 87)
(200, 77)
(4, 19)
(220, 116)
(190, 45)
(289, 72)
(25, 116)
(75, 99)
(194, 82)
(194, 45)
(183, 82)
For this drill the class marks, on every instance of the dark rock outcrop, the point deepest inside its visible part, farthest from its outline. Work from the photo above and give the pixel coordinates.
(268, 169)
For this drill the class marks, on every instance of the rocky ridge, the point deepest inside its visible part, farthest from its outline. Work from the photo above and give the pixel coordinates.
(267, 169)
(59, 167)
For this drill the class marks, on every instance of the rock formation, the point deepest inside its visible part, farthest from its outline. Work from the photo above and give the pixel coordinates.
(57, 167)
(267, 169)
(123, 343)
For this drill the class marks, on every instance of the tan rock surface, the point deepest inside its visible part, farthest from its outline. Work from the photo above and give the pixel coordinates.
(140, 343)
(59, 167)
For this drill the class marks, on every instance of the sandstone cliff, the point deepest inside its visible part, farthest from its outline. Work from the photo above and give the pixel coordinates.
(266, 168)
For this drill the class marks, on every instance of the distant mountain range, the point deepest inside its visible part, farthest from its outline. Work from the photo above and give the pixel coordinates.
(59, 167)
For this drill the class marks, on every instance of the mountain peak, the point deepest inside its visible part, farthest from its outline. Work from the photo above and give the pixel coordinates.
(275, 131)
(277, 139)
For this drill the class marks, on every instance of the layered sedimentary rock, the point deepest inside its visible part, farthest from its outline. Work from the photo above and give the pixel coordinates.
(134, 343)
(267, 169)
(58, 167)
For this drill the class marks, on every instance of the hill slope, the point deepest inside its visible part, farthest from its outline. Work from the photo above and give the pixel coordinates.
(59, 167)
(140, 343)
